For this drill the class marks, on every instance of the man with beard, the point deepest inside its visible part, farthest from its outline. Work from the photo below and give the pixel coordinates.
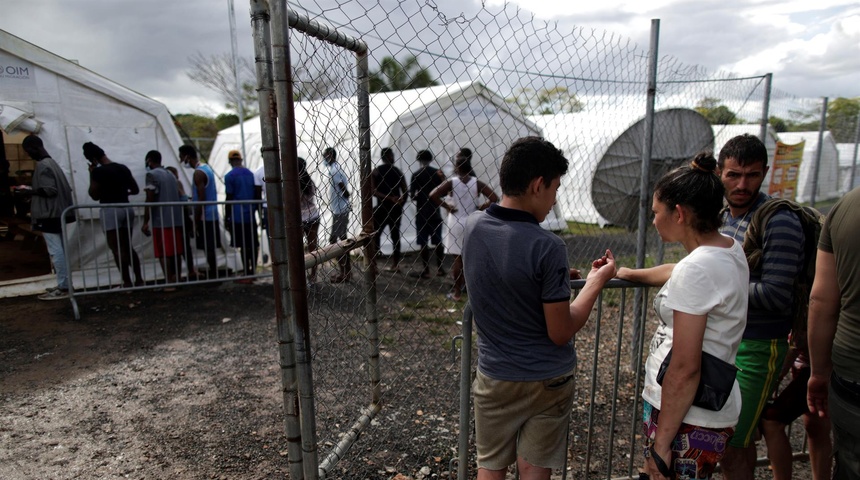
(743, 167)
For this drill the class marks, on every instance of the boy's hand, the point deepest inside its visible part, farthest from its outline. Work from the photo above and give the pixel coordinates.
(603, 268)
(575, 274)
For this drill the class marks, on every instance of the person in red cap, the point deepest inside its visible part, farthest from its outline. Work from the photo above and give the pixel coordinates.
(240, 219)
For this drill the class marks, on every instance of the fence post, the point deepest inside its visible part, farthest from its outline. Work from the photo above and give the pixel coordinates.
(765, 108)
(277, 236)
(644, 184)
(821, 128)
(854, 161)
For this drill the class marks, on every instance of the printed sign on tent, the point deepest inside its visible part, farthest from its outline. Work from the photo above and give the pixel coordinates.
(786, 167)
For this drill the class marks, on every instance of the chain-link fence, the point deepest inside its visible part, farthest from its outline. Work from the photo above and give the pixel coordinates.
(379, 332)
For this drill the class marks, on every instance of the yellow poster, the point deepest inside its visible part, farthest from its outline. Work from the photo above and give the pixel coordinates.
(786, 168)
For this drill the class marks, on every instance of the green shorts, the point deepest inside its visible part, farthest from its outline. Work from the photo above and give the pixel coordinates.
(522, 419)
(759, 363)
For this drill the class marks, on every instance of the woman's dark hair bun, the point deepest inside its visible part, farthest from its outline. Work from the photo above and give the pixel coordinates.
(704, 162)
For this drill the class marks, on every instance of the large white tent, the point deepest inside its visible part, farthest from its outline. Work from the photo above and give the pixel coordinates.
(441, 119)
(847, 160)
(68, 105)
(604, 149)
(828, 170)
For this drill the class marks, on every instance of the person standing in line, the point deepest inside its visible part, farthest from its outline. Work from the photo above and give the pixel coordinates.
(241, 219)
(205, 216)
(111, 183)
(519, 288)
(310, 214)
(168, 239)
(389, 189)
(51, 195)
(743, 167)
(260, 188)
(187, 227)
(702, 309)
(833, 390)
(340, 208)
(428, 222)
(463, 191)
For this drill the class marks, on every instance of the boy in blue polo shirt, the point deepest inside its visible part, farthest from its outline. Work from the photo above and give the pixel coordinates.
(518, 280)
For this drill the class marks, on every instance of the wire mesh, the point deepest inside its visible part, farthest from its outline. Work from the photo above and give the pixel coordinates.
(440, 83)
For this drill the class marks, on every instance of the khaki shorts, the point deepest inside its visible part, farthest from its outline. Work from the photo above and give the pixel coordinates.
(526, 419)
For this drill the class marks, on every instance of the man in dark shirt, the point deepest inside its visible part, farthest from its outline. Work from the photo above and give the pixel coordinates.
(112, 183)
(428, 222)
(389, 189)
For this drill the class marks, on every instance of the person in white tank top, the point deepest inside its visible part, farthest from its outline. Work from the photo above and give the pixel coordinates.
(462, 194)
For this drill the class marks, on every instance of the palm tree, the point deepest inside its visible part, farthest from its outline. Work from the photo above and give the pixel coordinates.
(394, 75)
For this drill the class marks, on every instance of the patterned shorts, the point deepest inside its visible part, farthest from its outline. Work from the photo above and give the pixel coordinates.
(695, 451)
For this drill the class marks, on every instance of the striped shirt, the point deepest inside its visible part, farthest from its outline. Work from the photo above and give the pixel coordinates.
(771, 300)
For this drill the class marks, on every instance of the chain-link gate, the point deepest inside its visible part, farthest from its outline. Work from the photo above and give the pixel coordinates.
(367, 345)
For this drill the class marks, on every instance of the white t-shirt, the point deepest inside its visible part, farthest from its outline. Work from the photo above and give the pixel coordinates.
(259, 175)
(712, 281)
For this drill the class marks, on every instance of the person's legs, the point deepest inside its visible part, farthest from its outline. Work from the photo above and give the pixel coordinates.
(778, 448)
(54, 242)
(457, 273)
(528, 471)
(394, 229)
(759, 362)
(113, 241)
(439, 249)
(128, 257)
(785, 408)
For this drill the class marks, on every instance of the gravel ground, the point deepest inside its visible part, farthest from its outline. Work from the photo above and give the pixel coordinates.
(186, 384)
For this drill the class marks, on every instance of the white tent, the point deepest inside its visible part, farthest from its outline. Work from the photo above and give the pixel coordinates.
(846, 164)
(604, 149)
(724, 133)
(68, 105)
(441, 119)
(828, 171)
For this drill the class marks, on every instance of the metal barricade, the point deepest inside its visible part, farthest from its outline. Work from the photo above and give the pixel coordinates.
(610, 414)
(111, 248)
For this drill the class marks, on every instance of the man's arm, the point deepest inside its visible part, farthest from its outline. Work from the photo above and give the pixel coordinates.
(402, 191)
(823, 317)
(564, 319)
(439, 192)
(133, 188)
(150, 198)
(47, 183)
(782, 252)
(654, 276)
(488, 192)
(94, 190)
(200, 185)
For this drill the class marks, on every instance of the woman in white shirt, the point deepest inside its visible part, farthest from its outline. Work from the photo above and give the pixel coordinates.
(463, 193)
(702, 308)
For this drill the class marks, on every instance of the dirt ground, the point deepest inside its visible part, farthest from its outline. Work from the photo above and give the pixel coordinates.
(186, 384)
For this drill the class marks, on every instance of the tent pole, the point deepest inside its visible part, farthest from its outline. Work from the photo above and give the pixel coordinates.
(644, 187)
(277, 237)
(239, 103)
(821, 128)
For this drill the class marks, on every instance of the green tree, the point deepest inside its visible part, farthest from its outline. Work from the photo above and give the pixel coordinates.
(778, 124)
(842, 117)
(545, 101)
(717, 113)
(199, 130)
(395, 75)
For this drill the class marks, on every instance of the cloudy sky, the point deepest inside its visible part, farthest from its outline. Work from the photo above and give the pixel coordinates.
(812, 47)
